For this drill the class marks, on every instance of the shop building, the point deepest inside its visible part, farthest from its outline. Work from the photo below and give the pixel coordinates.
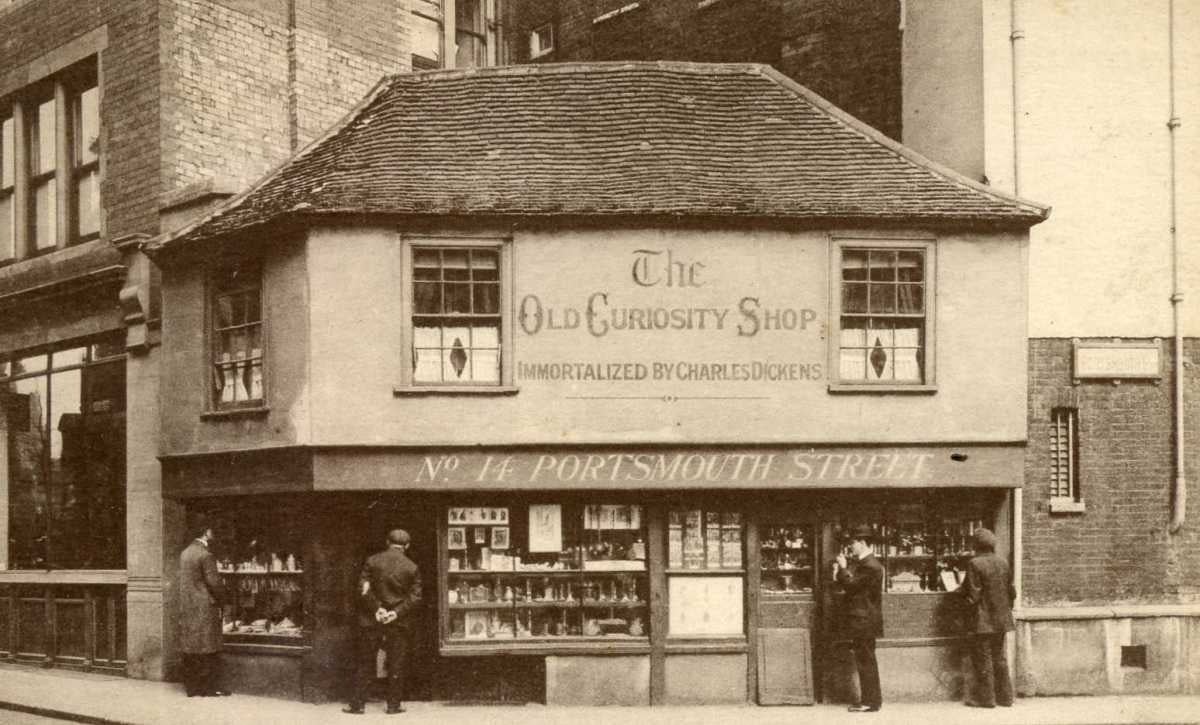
(625, 371)
(1089, 112)
(118, 120)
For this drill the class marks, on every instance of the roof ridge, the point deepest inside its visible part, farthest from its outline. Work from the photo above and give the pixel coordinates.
(910, 155)
(527, 69)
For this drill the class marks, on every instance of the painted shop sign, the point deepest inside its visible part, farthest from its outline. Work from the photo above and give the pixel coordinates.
(776, 467)
(710, 311)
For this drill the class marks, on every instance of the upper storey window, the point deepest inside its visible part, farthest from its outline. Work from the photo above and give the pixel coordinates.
(453, 34)
(883, 314)
(50, 161)
(236, 336)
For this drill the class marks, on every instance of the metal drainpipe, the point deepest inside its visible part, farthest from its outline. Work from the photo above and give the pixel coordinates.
(1018, 515)
(1179, 499)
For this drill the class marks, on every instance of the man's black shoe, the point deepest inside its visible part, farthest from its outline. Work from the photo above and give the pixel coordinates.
(220, 693)
(353, 709)
(862, 708)
(394, 710)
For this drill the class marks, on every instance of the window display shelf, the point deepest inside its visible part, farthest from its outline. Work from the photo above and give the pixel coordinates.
(787, 569)
(224, 572)
(705, 572)
(534, 573)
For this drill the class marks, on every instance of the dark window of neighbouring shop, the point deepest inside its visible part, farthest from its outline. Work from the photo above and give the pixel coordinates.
(63, 421)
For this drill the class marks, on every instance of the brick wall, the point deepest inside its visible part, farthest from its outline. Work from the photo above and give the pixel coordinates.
(241, 91)
(846, 50)
(1118, 550)
(129, 91)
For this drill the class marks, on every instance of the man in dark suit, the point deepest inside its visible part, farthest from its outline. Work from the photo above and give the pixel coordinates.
(200, 594)
(989, 593)
(862, 583)
(389, 590)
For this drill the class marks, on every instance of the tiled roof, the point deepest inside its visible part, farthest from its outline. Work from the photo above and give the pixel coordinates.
(621, 139)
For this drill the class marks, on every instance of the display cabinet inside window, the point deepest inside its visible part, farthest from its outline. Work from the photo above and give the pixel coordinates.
(261, 558)
(925, 545)
(545, 572)
(706, 573)
(787, 559)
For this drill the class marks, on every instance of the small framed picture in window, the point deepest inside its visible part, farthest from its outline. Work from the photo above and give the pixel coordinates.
(480, 534)
(456, 538)
(500, 537)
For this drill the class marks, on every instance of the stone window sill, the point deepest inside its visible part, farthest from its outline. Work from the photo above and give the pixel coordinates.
(1066, 506)
(255, 412)
(403, 391)
(882, 389)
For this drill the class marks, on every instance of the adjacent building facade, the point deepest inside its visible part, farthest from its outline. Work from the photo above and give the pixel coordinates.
(1088, 111)
(117, 121)
(626, 372)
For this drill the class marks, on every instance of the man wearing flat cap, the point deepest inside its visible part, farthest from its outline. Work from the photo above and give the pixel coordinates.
(389, 591)
(989, 593)
(862, 582)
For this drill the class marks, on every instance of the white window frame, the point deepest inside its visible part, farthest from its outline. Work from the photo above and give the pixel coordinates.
(1065, 493)
(928, 246)
(537, 47)
(409, 386)
(213, 407)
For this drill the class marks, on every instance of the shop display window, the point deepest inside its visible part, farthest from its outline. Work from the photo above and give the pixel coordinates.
(706, 573)
(546, 571)
(924, 545)
(787, 559)
(260, 556)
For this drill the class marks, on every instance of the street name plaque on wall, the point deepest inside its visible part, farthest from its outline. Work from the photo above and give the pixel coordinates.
(1117, 360)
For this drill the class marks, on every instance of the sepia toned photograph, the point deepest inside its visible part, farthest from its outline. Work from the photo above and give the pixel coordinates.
(688, 361)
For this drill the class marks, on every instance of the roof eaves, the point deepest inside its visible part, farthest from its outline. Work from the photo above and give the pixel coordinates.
(1041, 211)
(180, 235)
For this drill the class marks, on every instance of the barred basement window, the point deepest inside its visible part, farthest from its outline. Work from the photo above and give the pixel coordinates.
(1064, 460)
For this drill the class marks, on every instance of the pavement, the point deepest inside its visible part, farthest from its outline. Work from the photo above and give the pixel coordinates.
(105, 699)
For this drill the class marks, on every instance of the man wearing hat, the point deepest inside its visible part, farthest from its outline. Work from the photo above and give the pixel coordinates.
(389, 591)
(862, 582)
(989, 593)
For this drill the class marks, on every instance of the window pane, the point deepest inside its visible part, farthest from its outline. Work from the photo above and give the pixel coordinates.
(45, 158)
(883, 298)
(66, 358)
(907, 367)
(426, 37)
(487, 299)
(8, 158)
(8, 237)
(45, 201)
(468, 15)
(485, 336)
(854, 265)
(471, 50)
(30, 364)
(87, 127)
(485, 366)
(253, 306)
(454, 264)
(883, 266)
(911, 266)
(912, 298)
(24, 409)
(427, 298)
(458, 298)
(87, 203)
(852, 364)
(854, 298)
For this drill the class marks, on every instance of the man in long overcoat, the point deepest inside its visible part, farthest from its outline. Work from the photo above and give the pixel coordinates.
(862, 583)
(200, 595)
(989, 593)
(389, 591)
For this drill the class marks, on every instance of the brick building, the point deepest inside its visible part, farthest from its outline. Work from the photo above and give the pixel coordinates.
(1081, 110)
(120, 120)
